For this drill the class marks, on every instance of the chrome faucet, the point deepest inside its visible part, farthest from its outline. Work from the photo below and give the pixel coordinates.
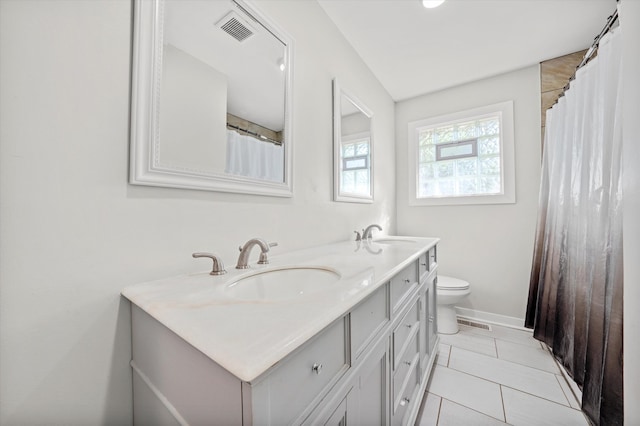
(243, 259)
(366, 234)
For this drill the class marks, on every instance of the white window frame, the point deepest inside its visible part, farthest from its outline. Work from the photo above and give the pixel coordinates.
(507, 157)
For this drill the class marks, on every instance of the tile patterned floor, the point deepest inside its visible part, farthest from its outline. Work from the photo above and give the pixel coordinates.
(497, 377)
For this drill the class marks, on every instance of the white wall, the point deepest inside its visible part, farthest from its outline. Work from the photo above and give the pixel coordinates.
(630, 25)
(193, 116)
(491, 246)
(74, 232)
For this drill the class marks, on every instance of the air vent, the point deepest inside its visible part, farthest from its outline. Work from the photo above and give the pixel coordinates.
(235, 26)
(474, 324)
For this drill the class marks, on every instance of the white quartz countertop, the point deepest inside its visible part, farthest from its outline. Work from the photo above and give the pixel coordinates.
(247, 336)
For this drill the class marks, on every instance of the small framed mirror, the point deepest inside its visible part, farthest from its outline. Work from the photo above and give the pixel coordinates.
(352, 148)
(211, 98)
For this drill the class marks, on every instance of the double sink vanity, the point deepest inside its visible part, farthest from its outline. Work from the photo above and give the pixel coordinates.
(337, 334)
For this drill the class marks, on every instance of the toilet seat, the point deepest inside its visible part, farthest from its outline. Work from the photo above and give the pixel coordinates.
(450, 283)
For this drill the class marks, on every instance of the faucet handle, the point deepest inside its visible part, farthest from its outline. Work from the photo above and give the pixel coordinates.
(358, 236)
(218, 266)
(263, 260)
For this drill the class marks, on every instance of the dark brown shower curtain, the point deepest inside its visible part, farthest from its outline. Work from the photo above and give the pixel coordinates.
(575, 294)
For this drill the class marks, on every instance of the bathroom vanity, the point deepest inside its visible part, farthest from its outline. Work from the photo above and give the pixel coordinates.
(338, 334)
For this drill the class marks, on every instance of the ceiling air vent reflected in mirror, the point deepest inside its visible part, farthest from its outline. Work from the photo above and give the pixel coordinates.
(235, 26)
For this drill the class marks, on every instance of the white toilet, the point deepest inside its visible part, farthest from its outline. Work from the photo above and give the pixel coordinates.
(450, 292)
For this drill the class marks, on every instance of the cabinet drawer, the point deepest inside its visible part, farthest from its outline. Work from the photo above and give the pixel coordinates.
(303, 376)
(405, 364)
(367, 319)
(403, 331)
(402, 283)
(404, 398)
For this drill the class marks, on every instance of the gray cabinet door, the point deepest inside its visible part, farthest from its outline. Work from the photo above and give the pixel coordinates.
(371, 392)
(432, 318)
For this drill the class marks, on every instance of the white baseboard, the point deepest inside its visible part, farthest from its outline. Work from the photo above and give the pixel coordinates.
(491, 318)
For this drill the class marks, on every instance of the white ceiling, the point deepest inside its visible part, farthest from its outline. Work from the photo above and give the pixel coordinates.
(413, 50)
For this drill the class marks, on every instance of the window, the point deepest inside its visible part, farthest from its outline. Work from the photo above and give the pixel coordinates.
(463, 158)
(355, 171)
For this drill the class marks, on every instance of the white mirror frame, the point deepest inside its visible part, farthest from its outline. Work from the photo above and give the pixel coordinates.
(338, 92)
(144, 164)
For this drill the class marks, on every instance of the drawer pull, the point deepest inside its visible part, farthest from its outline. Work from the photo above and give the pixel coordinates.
(409, 325)
(408, 363)
(407, 280)
(404, 401)
(431, 318)
(317, 368)
(423, 263)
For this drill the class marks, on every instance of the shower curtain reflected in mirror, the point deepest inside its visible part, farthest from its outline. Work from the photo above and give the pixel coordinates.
(575, 295)
(254, 158)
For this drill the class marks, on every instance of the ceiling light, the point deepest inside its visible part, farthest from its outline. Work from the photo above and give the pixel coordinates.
(430, 4)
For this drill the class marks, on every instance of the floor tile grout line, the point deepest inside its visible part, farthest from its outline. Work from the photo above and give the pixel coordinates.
(544, 399)
(525, 345)
(504, 410)
(495, 339)
(442, 398)
(563, 391)
(511, 387)
(439, 410)
(513, 341)
(564, 373)
(501, 397)
(504, 360)
(453, 345)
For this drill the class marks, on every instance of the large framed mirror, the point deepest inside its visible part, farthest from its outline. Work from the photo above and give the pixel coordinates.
(211, 98)
(352, 148)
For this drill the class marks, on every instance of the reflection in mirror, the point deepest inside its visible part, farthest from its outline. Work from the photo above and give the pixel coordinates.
(211, 92)
(352, 147)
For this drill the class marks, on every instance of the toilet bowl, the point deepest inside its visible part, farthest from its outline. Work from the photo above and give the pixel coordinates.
(450, 292)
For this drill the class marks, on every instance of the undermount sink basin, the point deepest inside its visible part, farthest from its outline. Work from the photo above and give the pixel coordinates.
(393, 241)
(282, 283)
